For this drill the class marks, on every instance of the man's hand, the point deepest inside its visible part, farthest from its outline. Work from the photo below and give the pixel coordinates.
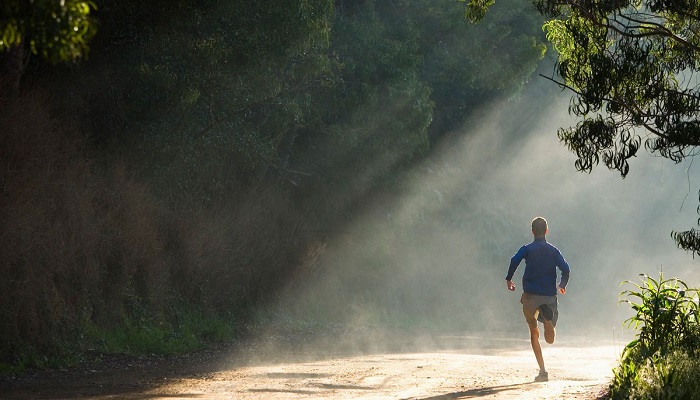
(562, 290)
(510, 285)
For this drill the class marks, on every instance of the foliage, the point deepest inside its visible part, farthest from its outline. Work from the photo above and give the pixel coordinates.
(460, 82)
(208, 148)
(58, 31)
(281, 103)
(387, 106)
(475, 10)
(666, 315)
(632, 66)
(88, 247)
(662, 362)
(209, 107)
(189, 330)
(406, 75)
(672, 377)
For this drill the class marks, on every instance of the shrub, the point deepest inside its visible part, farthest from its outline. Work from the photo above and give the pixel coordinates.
(661, 363)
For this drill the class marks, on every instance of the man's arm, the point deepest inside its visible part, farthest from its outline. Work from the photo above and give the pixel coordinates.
(514, 262)
(565, 271)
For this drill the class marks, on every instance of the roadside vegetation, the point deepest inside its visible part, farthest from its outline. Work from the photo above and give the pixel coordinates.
(662, 362)
(166, 169)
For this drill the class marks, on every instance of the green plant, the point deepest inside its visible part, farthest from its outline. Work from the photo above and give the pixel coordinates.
(661, 362)
(673, 377)
(625, 377)
(190, 329)
(666, 315)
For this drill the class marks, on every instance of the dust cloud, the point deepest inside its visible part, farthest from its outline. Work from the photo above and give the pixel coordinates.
(435, 258)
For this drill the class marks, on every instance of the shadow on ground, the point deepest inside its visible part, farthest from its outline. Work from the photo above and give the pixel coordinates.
(133, 377)
(479, 392)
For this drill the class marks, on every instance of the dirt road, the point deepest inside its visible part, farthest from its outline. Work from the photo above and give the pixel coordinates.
(460, 367)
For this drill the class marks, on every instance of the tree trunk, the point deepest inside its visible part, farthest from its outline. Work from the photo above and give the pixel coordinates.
(12, 73)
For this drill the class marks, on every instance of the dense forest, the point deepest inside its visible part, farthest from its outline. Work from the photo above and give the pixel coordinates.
(192, 160)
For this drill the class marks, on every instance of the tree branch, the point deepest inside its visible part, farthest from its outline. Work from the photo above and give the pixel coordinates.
(661, 30)
(626, 106)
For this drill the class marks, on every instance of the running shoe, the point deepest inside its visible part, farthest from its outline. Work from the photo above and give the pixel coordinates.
(542, 377)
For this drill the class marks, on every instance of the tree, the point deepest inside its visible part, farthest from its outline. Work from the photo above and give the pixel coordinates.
(375, 113)
(204, 92)
(469, 65)
(57, 31)
(632, 67)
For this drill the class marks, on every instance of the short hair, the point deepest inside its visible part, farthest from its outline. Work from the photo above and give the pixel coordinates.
(539, 226)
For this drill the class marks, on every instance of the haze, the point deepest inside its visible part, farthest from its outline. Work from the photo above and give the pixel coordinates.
(436, 259)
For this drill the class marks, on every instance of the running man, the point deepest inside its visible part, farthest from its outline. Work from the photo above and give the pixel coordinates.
(539, 298)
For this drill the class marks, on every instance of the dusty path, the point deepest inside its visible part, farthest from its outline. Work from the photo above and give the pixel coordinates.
(469, 367)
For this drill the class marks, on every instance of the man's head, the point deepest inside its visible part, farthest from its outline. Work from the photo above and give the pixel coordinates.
(539, 227)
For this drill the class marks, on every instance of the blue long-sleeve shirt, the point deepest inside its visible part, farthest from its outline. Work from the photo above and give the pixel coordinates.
(541, 262)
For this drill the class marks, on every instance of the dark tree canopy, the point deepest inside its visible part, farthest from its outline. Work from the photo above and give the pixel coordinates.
(208, 149)
(632, 65)
(56, 30)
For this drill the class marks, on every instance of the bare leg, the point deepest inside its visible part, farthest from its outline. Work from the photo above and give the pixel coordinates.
(549, 332)
(535, 342)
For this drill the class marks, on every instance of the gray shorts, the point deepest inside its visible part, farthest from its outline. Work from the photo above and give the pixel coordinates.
(531, 304)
